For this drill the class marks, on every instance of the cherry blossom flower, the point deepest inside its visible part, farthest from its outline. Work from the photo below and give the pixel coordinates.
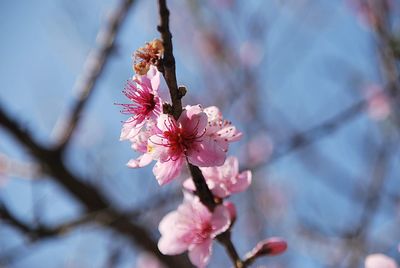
(201, 139)
(219, 131)
(139, 144)
(146, 104)
(379, 261)
(224, 180)
(192, 227)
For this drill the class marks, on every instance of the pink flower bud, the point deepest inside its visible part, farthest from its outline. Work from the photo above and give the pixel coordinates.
(271, 246)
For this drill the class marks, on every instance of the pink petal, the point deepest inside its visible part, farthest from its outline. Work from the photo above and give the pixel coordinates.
(164, 121)
(189, 185)
(166, 171)
(130, 129)
(220, 190)
(171, 245)
(170, 242)
(154, 75)
(193, 119)
(200, 254)
(141, 161)
(220, 220)
(232, 163)
(379, 261)
(243, 181)
(207, 154)
(213, 113)
(231, 209)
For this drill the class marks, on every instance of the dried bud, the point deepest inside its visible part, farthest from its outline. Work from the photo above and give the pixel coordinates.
(148, 55)
(141, 68)
(270, 246)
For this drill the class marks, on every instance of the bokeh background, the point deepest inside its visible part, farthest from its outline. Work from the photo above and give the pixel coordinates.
(313, 85)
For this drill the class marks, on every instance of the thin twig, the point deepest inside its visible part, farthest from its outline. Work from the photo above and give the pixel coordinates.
(168, 60)
(94, 66)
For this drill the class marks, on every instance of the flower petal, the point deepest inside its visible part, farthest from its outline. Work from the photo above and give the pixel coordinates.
(220, 220)
(166, 171)
(200, 254)
(141, 161)
(243, 181)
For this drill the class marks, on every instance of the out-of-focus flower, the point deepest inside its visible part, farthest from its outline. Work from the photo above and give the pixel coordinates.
(251, 53)
(192, 227)
(147, 260)
(378, 105)
(148, 55)
(146, 104)
(224, 180)
(197, 136)
(259, 149)
(379, 261)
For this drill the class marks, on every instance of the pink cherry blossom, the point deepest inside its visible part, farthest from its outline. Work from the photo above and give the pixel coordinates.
(220, 132)
(146, 104)
(224, 180)
(201, 139)
(192, 227)
(139, 144)
(379, 261)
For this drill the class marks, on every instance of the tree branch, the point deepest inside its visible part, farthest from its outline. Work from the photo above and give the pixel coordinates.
(168, 68)
(168, 60)
(94, 66)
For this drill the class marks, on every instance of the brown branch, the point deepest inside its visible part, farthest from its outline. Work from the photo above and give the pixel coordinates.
(34, 233)
(94, 66)
(168, 69)
(168, 60)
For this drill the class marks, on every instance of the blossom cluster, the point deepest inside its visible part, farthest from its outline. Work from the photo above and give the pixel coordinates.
(200, 137)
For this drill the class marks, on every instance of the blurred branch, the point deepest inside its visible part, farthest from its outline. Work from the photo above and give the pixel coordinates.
(370, 207)
(94, 66)
(88, 196)
(34, 233)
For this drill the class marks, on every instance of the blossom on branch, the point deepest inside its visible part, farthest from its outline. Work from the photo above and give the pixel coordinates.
(224, 180)
(192, 227)
(146, 104)
(196, 136)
